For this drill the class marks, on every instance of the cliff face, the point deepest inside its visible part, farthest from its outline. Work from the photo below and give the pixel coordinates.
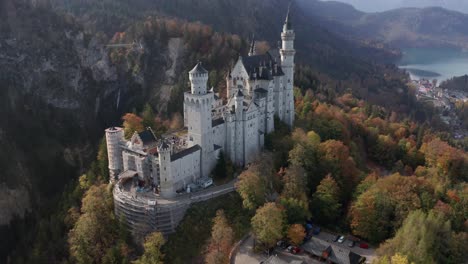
(58, 91)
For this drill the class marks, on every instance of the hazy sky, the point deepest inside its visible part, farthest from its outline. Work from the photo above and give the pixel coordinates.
(383, 5)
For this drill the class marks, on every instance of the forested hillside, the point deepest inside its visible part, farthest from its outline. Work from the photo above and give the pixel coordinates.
(403, 27)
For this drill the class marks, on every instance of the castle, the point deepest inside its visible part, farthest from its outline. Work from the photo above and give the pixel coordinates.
(155, 170)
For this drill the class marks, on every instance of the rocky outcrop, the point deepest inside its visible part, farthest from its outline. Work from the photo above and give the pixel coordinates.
(59, 89)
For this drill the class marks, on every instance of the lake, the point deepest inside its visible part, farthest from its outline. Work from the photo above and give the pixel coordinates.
(434, 63)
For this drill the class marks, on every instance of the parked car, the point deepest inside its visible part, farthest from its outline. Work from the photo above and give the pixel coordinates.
(364, 245)
(341, 239)
(336, 238)
(285, 245)
(351, 244)
(296, 250)
(290, 248)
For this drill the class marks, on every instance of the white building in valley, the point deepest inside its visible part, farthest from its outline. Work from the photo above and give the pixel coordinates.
(259, 87)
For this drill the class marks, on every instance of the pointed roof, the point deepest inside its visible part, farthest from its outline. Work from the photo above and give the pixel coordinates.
(164, 145)
(287, 22)
(199, 69)
(252, 50)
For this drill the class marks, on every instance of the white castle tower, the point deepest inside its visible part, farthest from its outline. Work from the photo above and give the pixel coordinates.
(197, 107)
(287, 63)
(166, 181)
(114, 137)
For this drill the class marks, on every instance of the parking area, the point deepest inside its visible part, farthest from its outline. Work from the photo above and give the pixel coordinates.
(368, 253)
(321, 248)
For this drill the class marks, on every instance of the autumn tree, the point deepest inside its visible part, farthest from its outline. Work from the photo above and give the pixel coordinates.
(258, 183)
(132, 123)
(268, 224)
(252, 189)
(222, 237)
(396, 259)
(384, 206)
(365, 184)
(451, 163)
(335, 160)
(423, 238)
(152, 247)
(325, 201)
(95, 234)
(294, 183)
(296, 234)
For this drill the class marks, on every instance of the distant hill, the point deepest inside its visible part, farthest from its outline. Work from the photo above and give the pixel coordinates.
(403, 27)
(385, 5)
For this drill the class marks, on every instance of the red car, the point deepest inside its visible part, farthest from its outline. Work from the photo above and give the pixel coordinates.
(364, 245)
(296, 250)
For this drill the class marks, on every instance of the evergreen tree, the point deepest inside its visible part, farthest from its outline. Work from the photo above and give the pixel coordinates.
(148, 117)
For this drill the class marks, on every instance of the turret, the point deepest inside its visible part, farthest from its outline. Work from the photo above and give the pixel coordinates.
(198, 79)
(287, 64)
(198, 106)
(114, 137)
(166, 181)
(253, 47)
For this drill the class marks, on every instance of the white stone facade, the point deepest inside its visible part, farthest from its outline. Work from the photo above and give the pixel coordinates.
(259, 87)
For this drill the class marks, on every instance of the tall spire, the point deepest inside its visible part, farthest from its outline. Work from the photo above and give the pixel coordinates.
(253, 47)
(287, 22)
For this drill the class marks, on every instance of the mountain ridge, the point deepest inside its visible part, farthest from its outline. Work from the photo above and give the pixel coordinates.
(403, 27)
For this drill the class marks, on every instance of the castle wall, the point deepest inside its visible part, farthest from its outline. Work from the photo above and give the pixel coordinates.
(219, 135)
(186, 170)
(136, 162)
(251, 139)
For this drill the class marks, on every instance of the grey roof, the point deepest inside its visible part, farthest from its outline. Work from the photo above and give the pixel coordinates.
(337, 254)
(199, 69)
(216, 147)
(185, 152)
(316, 246)
(239, 93)
(217, 122)
(127, 174)
(263, 67)
(147, 137)
(260, 90)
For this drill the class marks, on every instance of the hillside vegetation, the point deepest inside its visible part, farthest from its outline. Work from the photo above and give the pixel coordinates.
(403, 27)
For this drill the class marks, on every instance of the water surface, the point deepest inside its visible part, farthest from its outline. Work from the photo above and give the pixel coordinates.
(434, 63)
